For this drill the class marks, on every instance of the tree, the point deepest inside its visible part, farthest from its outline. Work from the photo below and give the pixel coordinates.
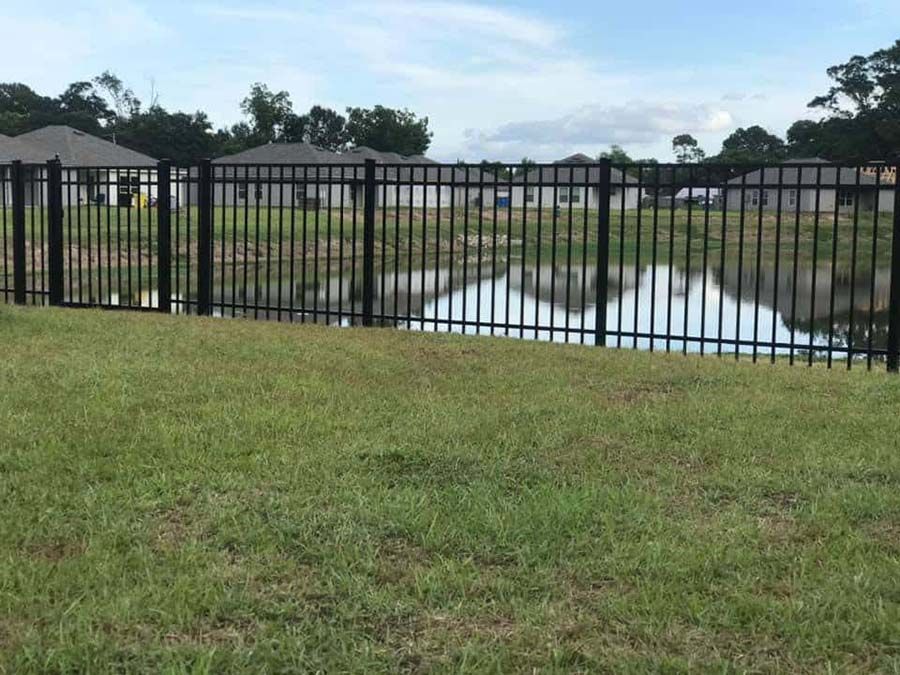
(18, 104)
(184, 138)
(867, 83)
(388, 130)
(687, 149)
(269, 112)
(81, 98)
(79, 106)
(616, 155)
(123, 99)
(321, 126)
(753, 144)
(863, 107)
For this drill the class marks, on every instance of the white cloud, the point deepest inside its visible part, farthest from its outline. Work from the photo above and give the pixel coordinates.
(593, 126)
(48, 46)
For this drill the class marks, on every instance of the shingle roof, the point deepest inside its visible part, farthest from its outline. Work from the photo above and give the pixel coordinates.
(279, 153)
(13, 148)
(806, 175)
(573, 175)
(77, 148)
(276, 154)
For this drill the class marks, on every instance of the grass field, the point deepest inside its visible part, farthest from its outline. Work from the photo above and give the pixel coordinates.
(264, 233)
(190, 495)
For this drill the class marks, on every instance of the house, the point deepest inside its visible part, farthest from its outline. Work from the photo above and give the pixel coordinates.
(565, 184)
(301, 174)
(798, 179)
(95, 170)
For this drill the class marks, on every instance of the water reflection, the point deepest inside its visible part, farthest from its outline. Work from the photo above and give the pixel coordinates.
(554, 303)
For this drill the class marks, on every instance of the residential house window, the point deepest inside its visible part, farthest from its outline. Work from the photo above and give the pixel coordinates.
(792, 197)
(765, 197)
(529, 193)
(566, 194)
(257, 192)
(845, 198)
(753, 197)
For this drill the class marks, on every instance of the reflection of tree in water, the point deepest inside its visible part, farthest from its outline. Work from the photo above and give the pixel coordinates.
(810, 310)
(572, 290)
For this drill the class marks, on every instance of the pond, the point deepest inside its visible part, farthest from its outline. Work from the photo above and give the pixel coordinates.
(557, 304)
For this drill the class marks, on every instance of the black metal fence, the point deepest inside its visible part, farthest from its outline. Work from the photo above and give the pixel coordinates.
(799, 261)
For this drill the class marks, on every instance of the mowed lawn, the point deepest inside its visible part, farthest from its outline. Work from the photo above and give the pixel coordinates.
(192, 495)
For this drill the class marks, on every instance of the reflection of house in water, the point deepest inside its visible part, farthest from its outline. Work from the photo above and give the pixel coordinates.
(564, 287)
(422, 292)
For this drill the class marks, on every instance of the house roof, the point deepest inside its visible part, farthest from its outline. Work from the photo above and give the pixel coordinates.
(573, 175)
(77, 148)
(420, 168)
(13, 148)
(805, 175)
(279, 153)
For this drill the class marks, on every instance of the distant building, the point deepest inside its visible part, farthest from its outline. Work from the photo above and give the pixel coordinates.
(300, 174)
(95, 170)
(569, 185)
(798, 188)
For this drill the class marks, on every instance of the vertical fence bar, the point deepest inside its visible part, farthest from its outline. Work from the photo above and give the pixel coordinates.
(55, 231)
(602, 251)
(369, 243)
(204, 239)
(893, 346)
(18, 233)
(164, 236)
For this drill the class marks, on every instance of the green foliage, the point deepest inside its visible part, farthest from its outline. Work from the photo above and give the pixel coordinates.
(687, 149)
(321, 126)
(616, 154)
(753, 144)
(22, 109)
(179, 136)
(123, 99)
(269, 112)
(388, 130)
(863, 107)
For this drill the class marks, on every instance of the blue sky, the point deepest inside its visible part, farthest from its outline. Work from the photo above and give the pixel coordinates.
(498, 80)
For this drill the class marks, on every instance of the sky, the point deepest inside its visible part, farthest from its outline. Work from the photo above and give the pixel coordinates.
(497, 80)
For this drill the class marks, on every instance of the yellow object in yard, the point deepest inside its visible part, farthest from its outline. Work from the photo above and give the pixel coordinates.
(143, 201)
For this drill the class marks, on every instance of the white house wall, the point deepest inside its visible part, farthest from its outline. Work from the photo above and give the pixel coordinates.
(807, 197)
(547, 198)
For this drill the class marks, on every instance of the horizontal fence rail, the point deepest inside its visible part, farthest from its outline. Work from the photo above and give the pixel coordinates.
(795, 261)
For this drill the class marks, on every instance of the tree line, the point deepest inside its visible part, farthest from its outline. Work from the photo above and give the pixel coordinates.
(861, 122)
(104, 106)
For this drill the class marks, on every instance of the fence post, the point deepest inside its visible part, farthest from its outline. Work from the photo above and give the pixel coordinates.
(603, 189)
(369, 244)
(893, 346)
(55, 231)
(204, 240)
(18, 233)
(164, 236)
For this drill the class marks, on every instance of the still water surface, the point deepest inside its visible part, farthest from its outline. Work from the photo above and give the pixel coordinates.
(548, 303)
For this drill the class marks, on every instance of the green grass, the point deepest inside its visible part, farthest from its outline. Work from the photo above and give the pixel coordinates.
(269, 232)
(190, 495)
